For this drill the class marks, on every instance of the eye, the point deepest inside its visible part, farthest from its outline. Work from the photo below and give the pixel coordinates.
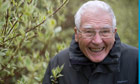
(88, 31)
(105, 31)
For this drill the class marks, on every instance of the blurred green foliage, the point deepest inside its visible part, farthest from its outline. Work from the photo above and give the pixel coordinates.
(33, 31)
(28, 30)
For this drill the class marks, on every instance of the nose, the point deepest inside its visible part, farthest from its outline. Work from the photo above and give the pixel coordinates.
(97, 39)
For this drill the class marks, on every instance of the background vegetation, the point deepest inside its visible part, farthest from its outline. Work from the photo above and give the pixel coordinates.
(33, 31)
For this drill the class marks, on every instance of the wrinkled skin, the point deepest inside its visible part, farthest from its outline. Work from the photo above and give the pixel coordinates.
(96, 48)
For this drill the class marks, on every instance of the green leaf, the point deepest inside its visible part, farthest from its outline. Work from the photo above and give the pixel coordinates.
(0, 67)
(58, 29)
(8, 66)
(60, 75)
(7, 71)
(56, 73)
(5, 6)
(37, 78)
(22, 32)
(2, 53)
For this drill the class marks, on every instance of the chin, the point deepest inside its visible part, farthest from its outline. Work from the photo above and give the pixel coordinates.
(97, 59)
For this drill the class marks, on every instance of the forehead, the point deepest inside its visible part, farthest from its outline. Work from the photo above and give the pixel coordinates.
(96, 18)
(89, 26)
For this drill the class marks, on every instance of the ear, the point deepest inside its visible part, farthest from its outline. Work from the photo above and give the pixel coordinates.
(115, 31)
(76, 34)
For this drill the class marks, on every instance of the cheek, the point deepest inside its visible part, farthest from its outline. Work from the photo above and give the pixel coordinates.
(109, 42)
(83, 43)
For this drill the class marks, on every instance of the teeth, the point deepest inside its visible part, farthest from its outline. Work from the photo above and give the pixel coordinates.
(96, 49)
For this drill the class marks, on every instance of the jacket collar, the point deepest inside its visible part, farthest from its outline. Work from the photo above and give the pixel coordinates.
(110, 63)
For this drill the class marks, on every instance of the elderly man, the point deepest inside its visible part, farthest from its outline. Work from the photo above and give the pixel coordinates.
(96, 54)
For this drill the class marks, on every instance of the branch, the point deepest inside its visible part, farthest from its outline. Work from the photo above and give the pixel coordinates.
(14, 25)
(12, 57)
(32, 29)
(60, 7)
(35, 26)
(16, 51)
(41, 22)
(27, 30)
(7, 16)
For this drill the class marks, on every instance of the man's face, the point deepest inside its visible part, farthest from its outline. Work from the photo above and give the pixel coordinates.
(95, 48)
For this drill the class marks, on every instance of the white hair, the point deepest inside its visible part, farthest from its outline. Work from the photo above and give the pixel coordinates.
(94, 5)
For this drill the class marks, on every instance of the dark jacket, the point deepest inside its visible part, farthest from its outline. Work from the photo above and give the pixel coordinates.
(119, 67)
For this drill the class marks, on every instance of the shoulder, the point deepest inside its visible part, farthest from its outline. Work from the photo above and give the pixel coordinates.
(129, 50)
(129, 55)
(63, 53)
(128, 47)
(128, 64)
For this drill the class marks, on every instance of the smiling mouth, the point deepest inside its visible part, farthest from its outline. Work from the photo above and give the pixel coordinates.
(96, 49)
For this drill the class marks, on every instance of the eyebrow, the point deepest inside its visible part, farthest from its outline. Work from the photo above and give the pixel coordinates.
(107, 26)
(87, 26)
